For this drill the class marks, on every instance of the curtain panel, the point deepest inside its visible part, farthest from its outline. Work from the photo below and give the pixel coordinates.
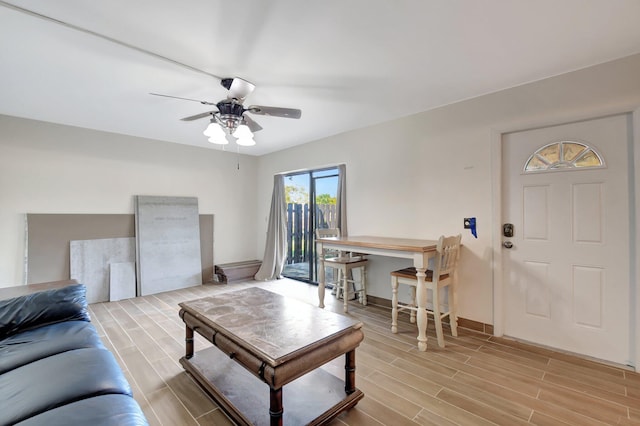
(276, 244)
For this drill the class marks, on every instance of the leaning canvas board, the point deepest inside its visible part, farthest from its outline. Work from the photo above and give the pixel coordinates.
(90, 262)
(167, 243)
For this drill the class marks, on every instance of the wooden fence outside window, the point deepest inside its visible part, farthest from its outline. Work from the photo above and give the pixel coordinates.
(299, 228)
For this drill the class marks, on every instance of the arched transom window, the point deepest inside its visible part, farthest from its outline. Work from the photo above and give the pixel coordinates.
(562, 156)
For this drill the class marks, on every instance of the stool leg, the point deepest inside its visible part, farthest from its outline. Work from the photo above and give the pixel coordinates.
(321, 282)
(350, 283)
(333, 279)
(345, 291)
(363, 288)
(394, 305)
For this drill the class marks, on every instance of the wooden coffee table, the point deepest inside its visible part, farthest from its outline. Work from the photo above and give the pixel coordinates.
(261, 337)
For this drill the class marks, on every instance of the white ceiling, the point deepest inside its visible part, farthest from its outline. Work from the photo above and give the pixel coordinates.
(346, 63)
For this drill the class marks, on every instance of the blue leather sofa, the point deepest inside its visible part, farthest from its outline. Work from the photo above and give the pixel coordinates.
(54, 369)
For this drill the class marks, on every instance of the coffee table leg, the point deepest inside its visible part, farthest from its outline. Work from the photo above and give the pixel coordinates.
(350, 372)
(189, 342)
(275, 407)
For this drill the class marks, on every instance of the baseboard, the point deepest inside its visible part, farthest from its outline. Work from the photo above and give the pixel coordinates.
(462, 322)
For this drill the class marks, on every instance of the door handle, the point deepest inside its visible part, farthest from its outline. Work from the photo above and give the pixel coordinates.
(507, 244)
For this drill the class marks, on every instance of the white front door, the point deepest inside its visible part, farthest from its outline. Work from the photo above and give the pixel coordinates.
(566, 277)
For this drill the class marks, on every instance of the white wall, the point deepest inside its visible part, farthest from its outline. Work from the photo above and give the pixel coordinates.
(420, 176)
(49, 168)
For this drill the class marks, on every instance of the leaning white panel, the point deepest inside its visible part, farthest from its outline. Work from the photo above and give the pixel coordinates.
(122, 281)
(168, 243)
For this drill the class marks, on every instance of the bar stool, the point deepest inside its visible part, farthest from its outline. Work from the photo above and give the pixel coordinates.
(442, 275)
(344, 265)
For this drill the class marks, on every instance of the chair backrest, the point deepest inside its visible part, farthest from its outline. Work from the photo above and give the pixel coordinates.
(327, 232)
(448, 253)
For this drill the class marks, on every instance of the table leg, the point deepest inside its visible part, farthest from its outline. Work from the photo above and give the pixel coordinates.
(421, 296)
(189, 342)
(344, 279)
(275, 407)
(394, 304)
(321, 277)
(350, 372)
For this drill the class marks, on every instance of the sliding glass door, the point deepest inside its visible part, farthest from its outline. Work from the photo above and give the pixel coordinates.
(311, 204)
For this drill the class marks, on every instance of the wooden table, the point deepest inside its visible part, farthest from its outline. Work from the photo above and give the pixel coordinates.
(263, 337)
(420, 251)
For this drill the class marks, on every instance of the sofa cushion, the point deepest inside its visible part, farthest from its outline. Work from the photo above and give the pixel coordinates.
(104, 410)
(32, 345)
(42, 308)
(58, 380)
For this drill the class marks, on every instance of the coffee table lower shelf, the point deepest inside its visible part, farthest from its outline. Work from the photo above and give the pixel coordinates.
(312, 399)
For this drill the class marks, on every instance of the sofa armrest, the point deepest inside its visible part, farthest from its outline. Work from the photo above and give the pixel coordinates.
(42, 308)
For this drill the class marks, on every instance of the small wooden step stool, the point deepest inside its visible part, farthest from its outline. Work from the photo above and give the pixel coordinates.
(237, 271)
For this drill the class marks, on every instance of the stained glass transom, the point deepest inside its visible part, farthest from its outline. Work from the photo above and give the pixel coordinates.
(563, 155)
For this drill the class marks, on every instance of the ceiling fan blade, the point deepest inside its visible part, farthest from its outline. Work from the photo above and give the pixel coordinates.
(253, 126)
(198, 116)
(275, 111)
(237, 87)
(184, 99)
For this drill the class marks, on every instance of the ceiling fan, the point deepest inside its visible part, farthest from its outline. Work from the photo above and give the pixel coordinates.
(230, 118)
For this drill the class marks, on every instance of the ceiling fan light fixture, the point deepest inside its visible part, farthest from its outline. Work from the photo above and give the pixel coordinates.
(246, 141)
(213, 130)
(219, 140)
(243, 132)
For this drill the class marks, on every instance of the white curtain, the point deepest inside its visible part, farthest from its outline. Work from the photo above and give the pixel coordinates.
(342, 200)
(276, 245)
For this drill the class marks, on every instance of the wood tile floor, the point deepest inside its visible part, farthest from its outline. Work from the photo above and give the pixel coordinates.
(476, 379)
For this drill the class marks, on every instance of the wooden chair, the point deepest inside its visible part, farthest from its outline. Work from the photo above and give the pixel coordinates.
(442, 275)
(344, 265)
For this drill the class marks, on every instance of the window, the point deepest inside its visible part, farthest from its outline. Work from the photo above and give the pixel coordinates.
(311, 198)
(564, 155)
